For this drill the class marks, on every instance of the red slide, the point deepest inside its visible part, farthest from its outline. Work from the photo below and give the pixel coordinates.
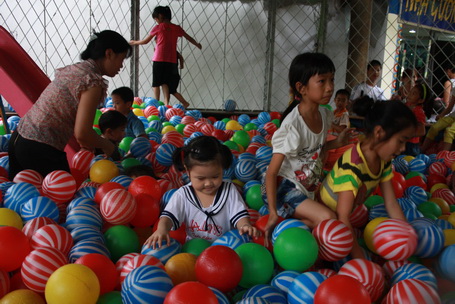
(22, 80)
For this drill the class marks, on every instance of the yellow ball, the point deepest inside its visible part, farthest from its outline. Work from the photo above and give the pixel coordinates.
(181, 268)
(168, 129)
(438, 186)
(72, 284)
(408, 158)
(449, 235)
(238, 182)
(138, 112)
(9, 217)
(369, 229)
(451, 219)
(22, 296)
(233, 125)
(103, 171)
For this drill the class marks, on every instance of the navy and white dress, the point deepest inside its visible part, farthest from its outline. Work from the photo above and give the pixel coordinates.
(209, 223)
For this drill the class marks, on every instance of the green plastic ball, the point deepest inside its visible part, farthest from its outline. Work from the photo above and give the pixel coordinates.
(254, 197)
(167, 123)
(136, 106)
(373, 201)
(452, 208)
(276, 122)
(126, 143)
(180, 128)
(232, 145)
(226, 120)
(98, 113)
(242, 138)
(250, 126)
(153, 117)
(150, 129)
(295, 249)
(160, 103)
(130, 162)
(113, 297)
(2, 129)
(414, 174)
(121, 240)
(430, 208)
(97, 130)
(257, 264)
(195, 246)
(327, 106)
(143, 105)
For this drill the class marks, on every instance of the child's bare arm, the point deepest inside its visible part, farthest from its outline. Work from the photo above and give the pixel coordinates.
(192, 41)
(143, 41)
(390, 201)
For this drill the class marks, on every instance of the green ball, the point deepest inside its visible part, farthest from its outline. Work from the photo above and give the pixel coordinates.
(415, 259)
(257, 264)
(121, 240)
(452, 208)
(113, 297)
(232, 145)
(276, 122)
(429, 215)
(2, 129)
(167, 123)
(130, 162)
(254, 197)
(136, 106)
(242, 138)
(250, 126)
(126, 143)
(143, 105)
(195, 246)
(226, 120)
(180, 128)
(415, 173)
(153, 117)
(430, 208)
(295, 249)
(238, 296)
(160, 103)
(98, 113)
(97, 130)
(373, 201)
(150, 129)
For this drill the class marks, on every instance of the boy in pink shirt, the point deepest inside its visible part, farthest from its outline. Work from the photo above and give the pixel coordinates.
(165, 69)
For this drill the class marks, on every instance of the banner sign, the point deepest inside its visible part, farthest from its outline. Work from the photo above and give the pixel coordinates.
(433, 13)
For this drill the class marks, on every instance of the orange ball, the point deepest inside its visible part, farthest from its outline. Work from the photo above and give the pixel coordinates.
(181, 268)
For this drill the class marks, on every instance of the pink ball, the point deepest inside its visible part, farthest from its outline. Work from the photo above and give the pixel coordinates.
(31, 226)
(334, 238)
(367, 273)
(437, 168)
(54, 236)
(394, 239)
(412, 291)
(445, 194)
(81, 161)
(14, 247)
(174, 138)
(39, 265)
(139, 261)
(59, 186)
(118, 207)
(29, 176)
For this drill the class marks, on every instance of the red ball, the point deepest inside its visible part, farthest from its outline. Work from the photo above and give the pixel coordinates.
(270, 127)
(54, 236)
(31, 226)
(398, 190)
(412, 291)
(189, 129)
(445, 194)
(14, 247)
(275, 115)
(416, 181)
(81, 161)
(172, 112)
(437, 168)
(186, 120)
(359, 216)
(398, 177)
(139, 261)
(262, 221)
(190, 293)
(59, 186)
(207, 129)
(118, 207)
(334, 238)
(102, 190)
(341, 289)
(147, 211)
(151, 110)
(394, 239)
(145, 185)
(104, 269)
(219, 267)
(3, 172)
(219, 134)
(29, 176)
(179, 235)
(174, 138)
(434, 179)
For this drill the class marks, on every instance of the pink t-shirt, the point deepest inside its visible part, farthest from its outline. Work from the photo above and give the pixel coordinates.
(166, 41)
(51, 119)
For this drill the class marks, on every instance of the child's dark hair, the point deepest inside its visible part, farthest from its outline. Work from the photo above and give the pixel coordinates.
(200, 150)
(303, 67)
(140, 170)
(343, 92)
(428, 100)
(165, 11)
(125, 93)
(102, 41)
(392, 115)
(111, 120)
(374, 63)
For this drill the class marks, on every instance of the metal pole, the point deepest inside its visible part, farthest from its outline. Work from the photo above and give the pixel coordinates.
(269, 55)
(322, 30)
(134, 63)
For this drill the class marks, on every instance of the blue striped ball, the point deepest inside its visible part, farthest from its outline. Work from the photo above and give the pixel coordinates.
(84, 215)
(245, 238)
(261, 167)
(263, 210)
(247, 156)
(162, 111)
(88, 192)
(243, 119)
(175, 120)
(259, 139)
(144, 121)
(5, 186)
(140, 147)
(221, 297)
(82, 233)
(163, 253)
(123, 180)
(156, 124)
(264, 117)
(78, 201)
(4, 141)
(255, 121)
(267, 292)
(196, 134)
(401, 165)
(196, 114)
(417, 194)
(262, 130)
(303, 288)
(283, 280)
(228, 173)
(264, 153)
(414, 271)
(179, 106)
(430, 238)
(446, 262)
(164, 154)
(406, 203)
(97, 158)
(253, 300)
(220, 125)
(40, 206)
(412, 214)
(144, 161)
(18, 194)
(229, 105)
(250, 184)
(286, 224)
(13, 121)
(228, 241)
(425, 158)
(155, 136)
(377, 211)
(84, 247)
(166, 197)
(150, 101)
(108, 103)
(417, 165)
(443, 224)
(245, 170)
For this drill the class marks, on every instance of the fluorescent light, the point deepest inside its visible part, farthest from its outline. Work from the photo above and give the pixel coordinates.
(412, 31)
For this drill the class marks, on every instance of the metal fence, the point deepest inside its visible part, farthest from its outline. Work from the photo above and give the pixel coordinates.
(247, 45)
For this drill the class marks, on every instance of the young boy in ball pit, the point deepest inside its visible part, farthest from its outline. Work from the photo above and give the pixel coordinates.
(123, 99)
(112, 125)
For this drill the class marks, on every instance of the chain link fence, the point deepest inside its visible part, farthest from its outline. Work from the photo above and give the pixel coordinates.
(247, 45)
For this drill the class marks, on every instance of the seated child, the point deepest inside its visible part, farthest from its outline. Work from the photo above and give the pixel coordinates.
(123, 98)
(415, 100)
(140, 170)
(112, 125)
(341, 114)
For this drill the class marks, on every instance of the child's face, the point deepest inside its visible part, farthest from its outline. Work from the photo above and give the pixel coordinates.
(120, 105)
(373, 73)
(413, 97)
(319, 88)
(395, 145)
(206, 179)
(341, 101)
(116, 134)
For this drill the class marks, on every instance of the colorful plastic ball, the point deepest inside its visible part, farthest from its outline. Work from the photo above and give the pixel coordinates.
(17, 194)
(140, 147)
(103, 171)
(219, 267)
(195, 246)
(102, 190)
(286, 224)
(437, 168)
(54, 236)
(118, 207)
(412, 214)
(341, 289)
(430, 238)
(242, 138)
(304, 286)
(81, 161)
(283, 280)
(377, 211)
(136, 261)
(446, 262)
(104, 269)
(9, 217)
(59, 186)
(418, 181)
(84, 214)
(228, 241)
(145, 185)
(164, 154)
(412, 291)
(252, 300)
(368, 232)
(39, 265)
(253, 197)
(229, 105)
(121, 240)
(22, 296)
(29, 176)
(5, 283)
(113, 297)
(163, 252)
(429, 207)
(190, 293)
(181, 268)
(295, 249)
(85, 247)
(14, 247)
(233, 125)
(147, 211)
(394, 239)
(264, 153)
(257, 264)
(31, 226)
(417, 165)
(174, 138)
(72, 283)
(84, 232)
(266, 292)
(416, 194)
(373, 200)
(359, 216)
(445, 194)
(414, 271)
(40, 206)
(334, 238)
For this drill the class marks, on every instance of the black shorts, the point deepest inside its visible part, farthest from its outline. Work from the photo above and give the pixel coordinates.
(166, 73)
